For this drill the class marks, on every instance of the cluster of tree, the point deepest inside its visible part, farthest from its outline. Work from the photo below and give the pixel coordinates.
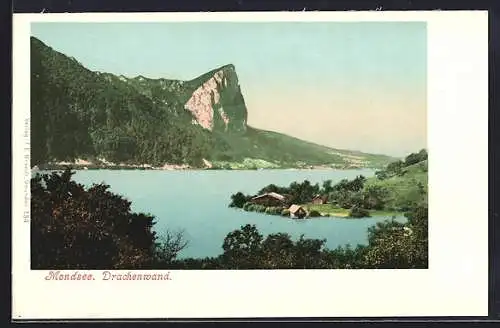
(77, 228)
(391, 245)
(301, 193)
(397, 168)
(354, 185)
(369, 197)
(354, 195)
(239, 199)
(351, 194)
(295, 193)
(348, 194)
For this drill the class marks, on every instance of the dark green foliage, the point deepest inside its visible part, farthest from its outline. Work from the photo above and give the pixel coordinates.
(412, 198)
(354, 185)
(345, 257)
(301, 193)
(278, 252)
(416, 158)
(347, 193)
(391, 245)
(75, 228)
(381, 175)
(308, 253)
(358, 212)
(395, 168)
(239, 200)
(207, 263)
(168, 248)
(396, 245)
(327, 187)
(389, 192)
(242, 248)
(247, 249)
(296, 193)
(314, 214)
(273, 188)
(341, 198)
(77, 113)
(400, 187)
(374, 197)
(398, 168)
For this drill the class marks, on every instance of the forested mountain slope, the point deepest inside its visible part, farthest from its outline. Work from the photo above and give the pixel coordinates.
(81, 114)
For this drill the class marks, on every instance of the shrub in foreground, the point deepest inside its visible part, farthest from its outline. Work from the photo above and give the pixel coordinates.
(77, 228)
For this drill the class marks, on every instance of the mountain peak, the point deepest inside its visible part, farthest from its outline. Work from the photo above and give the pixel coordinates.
(228, 67)
(217, 102)
(133, 122)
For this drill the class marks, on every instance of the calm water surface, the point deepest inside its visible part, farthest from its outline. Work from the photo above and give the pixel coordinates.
(197, 202)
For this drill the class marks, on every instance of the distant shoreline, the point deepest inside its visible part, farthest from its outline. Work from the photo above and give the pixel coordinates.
(141, 168)
(82, 165)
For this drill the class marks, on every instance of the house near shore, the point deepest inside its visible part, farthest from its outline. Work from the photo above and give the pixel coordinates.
(269, 199)
(319, 199)
(297, 212)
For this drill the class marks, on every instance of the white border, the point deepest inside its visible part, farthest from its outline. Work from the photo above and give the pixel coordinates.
(454, 285)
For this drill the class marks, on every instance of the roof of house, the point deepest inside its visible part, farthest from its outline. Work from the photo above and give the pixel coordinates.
(271, 194)
(319, 196)
(294, 208)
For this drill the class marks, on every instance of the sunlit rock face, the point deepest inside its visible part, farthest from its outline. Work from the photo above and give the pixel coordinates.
(218, 104)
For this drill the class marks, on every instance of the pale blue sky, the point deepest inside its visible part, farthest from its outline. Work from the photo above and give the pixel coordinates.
(331, 75)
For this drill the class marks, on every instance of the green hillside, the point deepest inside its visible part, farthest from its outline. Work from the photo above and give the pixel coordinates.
(405, 188)
(80, 114)
(395, 189)
(77, 113)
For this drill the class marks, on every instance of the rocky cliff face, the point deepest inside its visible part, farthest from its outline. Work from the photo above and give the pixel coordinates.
(81, 114)
(217, 103)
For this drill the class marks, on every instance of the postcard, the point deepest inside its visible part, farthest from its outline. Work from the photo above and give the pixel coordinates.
(239, 165)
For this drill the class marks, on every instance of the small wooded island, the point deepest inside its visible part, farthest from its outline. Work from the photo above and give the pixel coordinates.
(389, 193)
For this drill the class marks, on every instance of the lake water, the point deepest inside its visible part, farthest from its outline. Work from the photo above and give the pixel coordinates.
(197, 202)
